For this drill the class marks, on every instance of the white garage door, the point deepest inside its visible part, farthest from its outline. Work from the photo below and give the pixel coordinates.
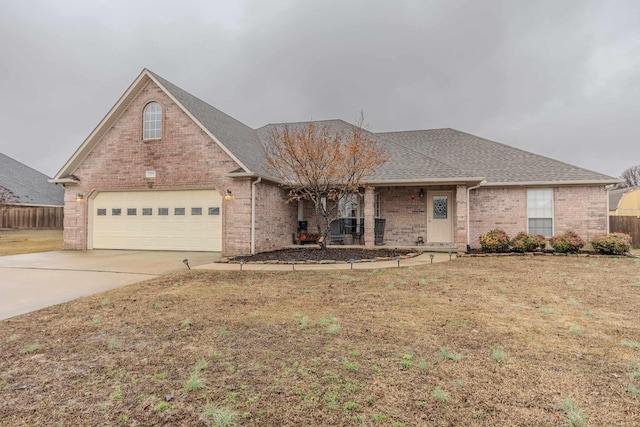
(189, 220)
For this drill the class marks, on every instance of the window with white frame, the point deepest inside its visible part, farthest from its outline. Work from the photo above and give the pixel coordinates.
(540, 211)
(152, 121)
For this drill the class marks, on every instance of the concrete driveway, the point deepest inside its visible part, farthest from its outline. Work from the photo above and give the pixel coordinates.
(34, 281)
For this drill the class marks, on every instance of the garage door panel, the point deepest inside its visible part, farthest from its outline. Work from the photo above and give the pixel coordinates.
(196, 230)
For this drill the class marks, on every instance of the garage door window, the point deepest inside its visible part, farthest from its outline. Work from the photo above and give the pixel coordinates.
(178, 211)
(132, 211)
(214, 211)
(102, 212)
(163, 211)
(147, 211)
(196, 211)
(116, 212)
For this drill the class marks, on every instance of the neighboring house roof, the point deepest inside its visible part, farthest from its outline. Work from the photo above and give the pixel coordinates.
(615, 196)
(29, 186)
(438, 155)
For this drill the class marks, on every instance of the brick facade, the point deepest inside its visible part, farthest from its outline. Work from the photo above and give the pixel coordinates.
(405, 215)
(582, 209)
(185, 157)
(276, 218)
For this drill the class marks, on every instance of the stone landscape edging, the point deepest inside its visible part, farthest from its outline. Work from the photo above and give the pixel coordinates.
(578, 255)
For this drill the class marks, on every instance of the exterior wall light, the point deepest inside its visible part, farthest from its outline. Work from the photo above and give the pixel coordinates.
(79, 197)
(421, 194)
(228, 195)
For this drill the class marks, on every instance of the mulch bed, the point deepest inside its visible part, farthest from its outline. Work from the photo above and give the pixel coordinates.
(328, 254)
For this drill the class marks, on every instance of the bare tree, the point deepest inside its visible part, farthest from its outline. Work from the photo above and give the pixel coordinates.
(6, 198)
(631, 176)
(321, 165)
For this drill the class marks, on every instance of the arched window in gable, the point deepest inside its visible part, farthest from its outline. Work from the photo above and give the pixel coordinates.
(152, 121)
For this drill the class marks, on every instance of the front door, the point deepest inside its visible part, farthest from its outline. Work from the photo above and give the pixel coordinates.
(439, 217)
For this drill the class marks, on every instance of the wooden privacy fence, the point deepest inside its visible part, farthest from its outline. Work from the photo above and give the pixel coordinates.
(626, 224)
(31, 217)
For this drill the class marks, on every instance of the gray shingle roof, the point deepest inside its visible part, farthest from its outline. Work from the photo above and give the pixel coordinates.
(241, 140)
(420, 156)
(437, 155)
(498, 163)
(29, 185)
(403, 163)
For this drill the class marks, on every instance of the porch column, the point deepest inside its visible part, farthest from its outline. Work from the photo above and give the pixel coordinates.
(460, 234)
(369, 212)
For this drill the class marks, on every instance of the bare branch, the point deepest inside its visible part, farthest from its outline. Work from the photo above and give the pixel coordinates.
(7, 197)
(631, 176)
(316, 163)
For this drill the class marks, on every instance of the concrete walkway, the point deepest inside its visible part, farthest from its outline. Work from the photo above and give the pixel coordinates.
(33, 281)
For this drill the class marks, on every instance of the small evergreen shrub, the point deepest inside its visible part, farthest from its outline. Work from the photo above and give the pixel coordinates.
(495, 240)
(568, 243)
(612, 243)
(524, 242)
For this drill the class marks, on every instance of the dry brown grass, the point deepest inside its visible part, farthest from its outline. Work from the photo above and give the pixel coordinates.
(14, 242)
(273, 361)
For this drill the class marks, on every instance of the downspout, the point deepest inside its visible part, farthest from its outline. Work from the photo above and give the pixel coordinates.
(469, 212)
(253, 214)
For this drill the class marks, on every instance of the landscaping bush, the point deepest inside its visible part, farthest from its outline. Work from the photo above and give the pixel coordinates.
(495, 240)
(568, 243)
(524, 242)
(612, 243)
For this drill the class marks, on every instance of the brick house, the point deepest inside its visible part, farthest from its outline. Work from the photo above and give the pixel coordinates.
(166, 171)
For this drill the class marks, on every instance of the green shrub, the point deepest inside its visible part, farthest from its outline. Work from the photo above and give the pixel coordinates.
(524, 242)
(568, 243)
(612, 243)
(495, 240)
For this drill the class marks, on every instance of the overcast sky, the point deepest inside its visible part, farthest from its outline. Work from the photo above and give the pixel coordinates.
(558, 78)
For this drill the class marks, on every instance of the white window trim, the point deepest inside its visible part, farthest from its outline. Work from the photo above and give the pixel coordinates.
(553, 213)
(155, 129)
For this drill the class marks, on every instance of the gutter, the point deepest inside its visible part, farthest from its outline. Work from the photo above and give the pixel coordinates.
(553, 183)
(253, 214)
(423, 181)
(469, 212)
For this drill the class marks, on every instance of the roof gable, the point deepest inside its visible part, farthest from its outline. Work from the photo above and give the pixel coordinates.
(229, 133)
(237, 139)
(28, 185)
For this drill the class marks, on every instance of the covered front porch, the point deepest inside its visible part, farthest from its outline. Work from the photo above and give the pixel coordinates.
(422, 217)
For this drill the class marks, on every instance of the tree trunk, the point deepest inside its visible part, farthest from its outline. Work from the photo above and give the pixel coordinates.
(322, 241)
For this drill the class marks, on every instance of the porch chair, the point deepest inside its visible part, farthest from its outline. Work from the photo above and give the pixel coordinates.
(378, 230)
(336, 232)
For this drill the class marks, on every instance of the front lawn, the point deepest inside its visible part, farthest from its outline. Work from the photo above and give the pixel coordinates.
(477, 341)
(14, 242)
